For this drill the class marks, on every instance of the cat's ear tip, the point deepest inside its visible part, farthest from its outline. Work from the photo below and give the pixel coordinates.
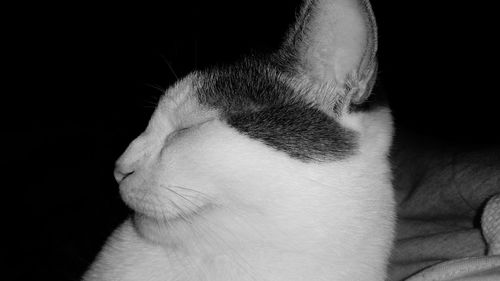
(338, 52)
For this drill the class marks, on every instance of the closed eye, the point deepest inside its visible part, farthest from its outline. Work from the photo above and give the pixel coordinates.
(184, 129)
(176, 134)
(195, 125)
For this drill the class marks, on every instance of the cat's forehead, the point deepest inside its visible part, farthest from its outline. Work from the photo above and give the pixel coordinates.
(256, 99)
(181, 105)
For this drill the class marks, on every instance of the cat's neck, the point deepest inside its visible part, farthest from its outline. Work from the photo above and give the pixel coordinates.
(300, 235)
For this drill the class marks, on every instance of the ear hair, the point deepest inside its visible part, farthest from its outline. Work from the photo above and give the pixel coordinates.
(334, 42)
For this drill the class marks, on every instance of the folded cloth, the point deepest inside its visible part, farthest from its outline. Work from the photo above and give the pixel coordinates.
(441, 193)
(490, 222)
(483, 268)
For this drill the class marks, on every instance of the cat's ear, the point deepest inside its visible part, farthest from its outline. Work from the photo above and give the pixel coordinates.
(334, 43)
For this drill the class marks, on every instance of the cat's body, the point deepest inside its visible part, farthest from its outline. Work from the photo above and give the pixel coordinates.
(262, 170)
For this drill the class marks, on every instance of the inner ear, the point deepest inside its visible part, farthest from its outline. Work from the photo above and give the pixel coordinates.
(334, 42)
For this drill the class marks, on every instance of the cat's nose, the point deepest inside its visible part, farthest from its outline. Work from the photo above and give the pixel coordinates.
(132, 159)
(121, 173)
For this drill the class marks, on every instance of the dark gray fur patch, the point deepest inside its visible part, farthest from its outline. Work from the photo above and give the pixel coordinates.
(253, 99)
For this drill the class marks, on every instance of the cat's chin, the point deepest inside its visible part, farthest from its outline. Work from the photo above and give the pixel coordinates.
(152, 228)
(163, 229)
(166, 207)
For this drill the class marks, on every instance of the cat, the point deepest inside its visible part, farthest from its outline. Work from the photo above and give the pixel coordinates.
(267, 169)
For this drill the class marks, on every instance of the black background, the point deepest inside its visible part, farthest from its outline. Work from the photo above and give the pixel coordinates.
(81, 81)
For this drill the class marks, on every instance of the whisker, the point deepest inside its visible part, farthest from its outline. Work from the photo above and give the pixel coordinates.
(156, 87)
(204, 229)
(217, 239)
(188, 189)
(169, 66)
(196, 53)
(183, 197)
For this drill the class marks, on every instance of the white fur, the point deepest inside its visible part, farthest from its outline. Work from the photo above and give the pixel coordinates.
(255, 213)
(213, 204)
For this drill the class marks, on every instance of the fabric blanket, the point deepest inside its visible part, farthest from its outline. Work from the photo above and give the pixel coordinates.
(446, 228)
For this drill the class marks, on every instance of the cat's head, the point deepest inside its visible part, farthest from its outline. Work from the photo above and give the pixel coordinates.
(264, 134)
